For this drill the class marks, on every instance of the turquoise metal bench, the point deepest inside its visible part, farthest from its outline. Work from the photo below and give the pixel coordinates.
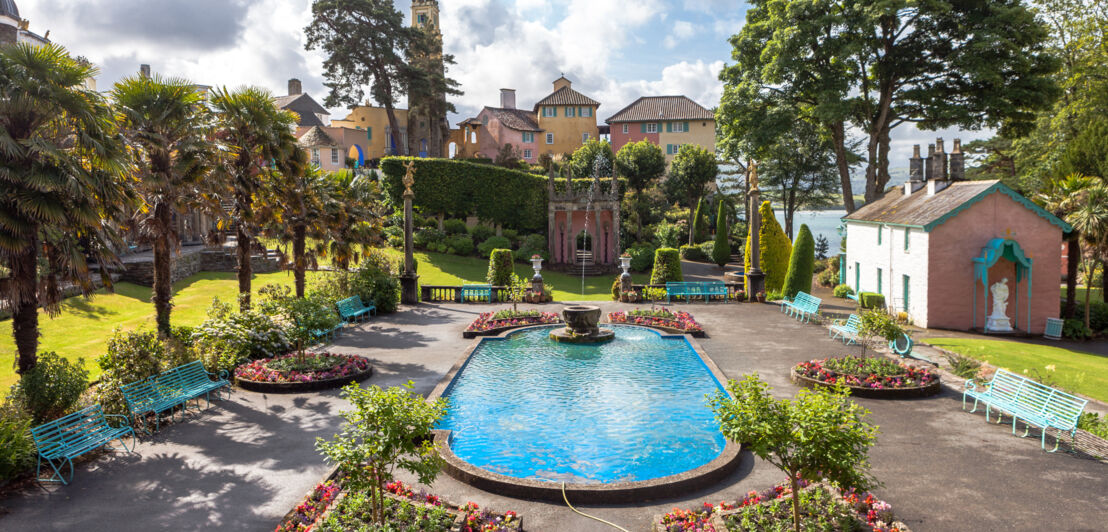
(73, 435)
(1028, 401)
(847, 331)
(691, 289)
(803, 305)
(1054, 329)
(476, 292)
(326, 335)
(352, 309)
(175, 387)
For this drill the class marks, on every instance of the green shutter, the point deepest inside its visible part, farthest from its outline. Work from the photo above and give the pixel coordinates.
(669, 127)
(643, 126)
(369, 133)
(686, 127)
(553, 111)
(659, 127)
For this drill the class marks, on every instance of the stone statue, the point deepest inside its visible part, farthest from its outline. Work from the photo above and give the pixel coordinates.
(753, 174)
(998, 321)
(409, 179)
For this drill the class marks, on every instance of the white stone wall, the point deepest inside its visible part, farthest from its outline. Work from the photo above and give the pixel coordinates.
(862, 248)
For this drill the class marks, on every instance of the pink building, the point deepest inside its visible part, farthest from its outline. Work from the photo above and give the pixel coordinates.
(936, 246)
(508, 125)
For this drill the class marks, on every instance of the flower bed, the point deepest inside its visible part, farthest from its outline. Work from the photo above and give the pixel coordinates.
(301, 518)
(494, 323)
(675, 322)
(876, 377)
(285, 374)
(823, 507)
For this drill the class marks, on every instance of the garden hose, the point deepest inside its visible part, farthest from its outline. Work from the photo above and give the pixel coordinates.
(609, 523)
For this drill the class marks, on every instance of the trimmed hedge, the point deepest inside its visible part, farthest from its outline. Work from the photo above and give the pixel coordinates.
(843, 290)
(493, 242)
(458, 189)
(500, 267)
(801, 263)
(693, 253)
(721, 249)
(871, 300)
(775, 250)
(642, 256)
(667, 266)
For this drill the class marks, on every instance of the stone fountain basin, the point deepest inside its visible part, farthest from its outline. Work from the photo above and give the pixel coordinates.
(582, 326)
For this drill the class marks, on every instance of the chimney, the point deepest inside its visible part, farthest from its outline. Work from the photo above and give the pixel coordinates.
(508, 98)
(957, 162)
(144, 71)
(915, 165)
(939, 164)
(295, 87)
(929, 164)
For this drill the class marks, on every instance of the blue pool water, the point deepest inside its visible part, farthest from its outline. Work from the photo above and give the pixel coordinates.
(629, 410)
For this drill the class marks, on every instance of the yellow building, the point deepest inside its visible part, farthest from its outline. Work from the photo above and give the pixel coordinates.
(375, 122)
(567, 119)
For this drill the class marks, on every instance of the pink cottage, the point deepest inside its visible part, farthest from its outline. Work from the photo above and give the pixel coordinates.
(938, 245)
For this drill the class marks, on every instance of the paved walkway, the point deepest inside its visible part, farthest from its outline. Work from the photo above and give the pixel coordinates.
(243, 463)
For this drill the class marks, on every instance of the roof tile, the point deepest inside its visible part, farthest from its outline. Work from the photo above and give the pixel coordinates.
(649, 108)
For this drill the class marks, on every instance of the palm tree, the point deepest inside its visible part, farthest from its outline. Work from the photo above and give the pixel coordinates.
(259, 139)
(167, 125)
(1090, 218)
(358, 222)
(61, 180)
(296, 207)
(1061, 198)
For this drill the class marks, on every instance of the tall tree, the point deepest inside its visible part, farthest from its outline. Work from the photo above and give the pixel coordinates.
(360, 223)
(1061, 198)
(690, 173)
(259, 141)
(1090, 218)
(798, 170)
(428, 84)
(167, 125)
(61, 182)
(640, 163)
(365, 42)
(593, 157)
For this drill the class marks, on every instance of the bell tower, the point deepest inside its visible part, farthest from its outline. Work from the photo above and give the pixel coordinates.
(428, 129)
(425, 15)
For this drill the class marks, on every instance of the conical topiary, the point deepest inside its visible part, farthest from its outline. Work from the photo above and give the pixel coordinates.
(802, 263)
(721, 249)
(775, 249)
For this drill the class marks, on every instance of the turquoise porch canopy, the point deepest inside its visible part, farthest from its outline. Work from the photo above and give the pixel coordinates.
(1009, 249)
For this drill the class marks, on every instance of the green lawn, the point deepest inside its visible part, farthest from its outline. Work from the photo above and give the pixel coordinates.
(444, 269)
(1097, 295)
(84, 325)
(1084, 373)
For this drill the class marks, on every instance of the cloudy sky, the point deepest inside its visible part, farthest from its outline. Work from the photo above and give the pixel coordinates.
(612, 50)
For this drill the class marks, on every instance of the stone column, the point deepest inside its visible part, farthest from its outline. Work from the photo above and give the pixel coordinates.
(409, 291)
(756, 280)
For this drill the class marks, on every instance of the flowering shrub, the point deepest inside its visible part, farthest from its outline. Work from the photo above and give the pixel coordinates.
(476, 519)
(679, 520)
(278, 369)
(876, 373)
(314, 505)
(227, 339)
(680, 320)
(511, 318)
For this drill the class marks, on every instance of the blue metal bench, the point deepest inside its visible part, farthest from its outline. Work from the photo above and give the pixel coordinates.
(1028, 401)
(73, 435)
(691, 289)
(847, 331)
(326, 335)
(175, 387)
(476, 292)
(802, 306)
(352, 308)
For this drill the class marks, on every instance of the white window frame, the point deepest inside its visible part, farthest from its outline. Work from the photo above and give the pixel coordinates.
(550, 138)
(571, 111)
(625, 129)
(547, 111)
(334, 156)
(652, 127)
(528, 137)
(315, 156)
(584, 137)
(586, 112)
(679, 127)
(526, 154)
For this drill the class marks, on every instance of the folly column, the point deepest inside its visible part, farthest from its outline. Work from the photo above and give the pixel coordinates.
(756, 280)
(409, 293)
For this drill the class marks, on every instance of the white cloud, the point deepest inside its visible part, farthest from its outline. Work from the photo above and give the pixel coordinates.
(682, 30)
(699, 81)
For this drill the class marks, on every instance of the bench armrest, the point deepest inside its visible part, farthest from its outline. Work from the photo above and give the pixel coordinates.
(970, 385)
(126, 422)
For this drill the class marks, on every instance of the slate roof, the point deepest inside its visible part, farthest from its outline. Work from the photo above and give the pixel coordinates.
(8, 8)
(516, 119)
(303, 105)
(566, 96)
(928, 212)
(469, 121)
(314, 137)
(649, 108)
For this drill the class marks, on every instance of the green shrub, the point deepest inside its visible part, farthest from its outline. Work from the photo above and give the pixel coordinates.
(775, 249)
(511, 234)
(302, 315)
(460, 244)
(721, 249)
(1091, 422)
(828, 277)
(375, 282)
(642, 256)
(227, 339)
(425, 238)
(52, 388)
(801, 262)
(131, 357)
(616, 289)
(454, 226)
(17, 449)
(693, 253)
(500, 267)
(963, 366)
(1075, 329)
(533, 244)
(843, 290)
(491, 243)
(700, 221)
(871, 300)
(481, 233)
(670, 235)
(667, 266)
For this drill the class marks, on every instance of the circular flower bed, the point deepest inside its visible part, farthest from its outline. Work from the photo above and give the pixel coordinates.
(876, 377)
(679, 322)
(291, 373)
(494, 323)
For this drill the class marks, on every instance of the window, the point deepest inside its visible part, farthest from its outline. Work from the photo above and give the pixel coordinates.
(584, 137)
(315, 156)
(906, 233)
(652, 128)
(624, 129)
(485, 120)
(879, 283)
(570, 112)
(473, 137)
(550, 111)
(334, 156)
(676, 127)
(369, 133)
(880, 229)
(421, 18)
(550, 138)
(526, 154)
(907, 282)
(528, 137)
(585, 112)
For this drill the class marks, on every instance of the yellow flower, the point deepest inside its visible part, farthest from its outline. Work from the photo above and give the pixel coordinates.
(1050, 367)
